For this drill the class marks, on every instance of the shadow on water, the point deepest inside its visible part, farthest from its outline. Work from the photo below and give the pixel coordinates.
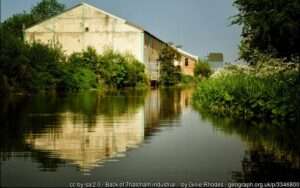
(273, 151)
(84, 129)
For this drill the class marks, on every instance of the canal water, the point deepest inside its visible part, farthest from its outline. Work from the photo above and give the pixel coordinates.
(135, 136)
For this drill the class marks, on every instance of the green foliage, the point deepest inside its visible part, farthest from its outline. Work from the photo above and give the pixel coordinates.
(39, 67)
(170, 75)
(45, 62)
(261, 93)
(46, 9)
(43, 10)
(119, 70)
(76, 78)
(14, 62)
(17, 23)
(111, 68)
(202, 69)
(188, 81)
(269, 27)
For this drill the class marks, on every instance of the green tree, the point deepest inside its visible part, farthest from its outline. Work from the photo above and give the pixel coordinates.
(269, 27)
(43, 10)
(46, 9)
(118, 70)
(15, 69)
(169, 74)
(202, 68)
(17, 23)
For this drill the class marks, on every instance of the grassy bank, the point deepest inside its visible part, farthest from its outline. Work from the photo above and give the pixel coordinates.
(269, 90)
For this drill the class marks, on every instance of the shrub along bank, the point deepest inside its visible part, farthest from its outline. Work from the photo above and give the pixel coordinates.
(268, 90)
(38, 67)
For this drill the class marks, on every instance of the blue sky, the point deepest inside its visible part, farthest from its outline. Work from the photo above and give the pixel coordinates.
(200, 26)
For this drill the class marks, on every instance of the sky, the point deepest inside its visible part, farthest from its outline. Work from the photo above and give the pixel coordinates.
(200, 26)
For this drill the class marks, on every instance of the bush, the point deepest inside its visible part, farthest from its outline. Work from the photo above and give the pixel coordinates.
(187, 80)
(117, 70)
(262, 92)
(202, 69)
(77, 78)
(136, 72)
(14, 62)
(111, 68)
(46, 64)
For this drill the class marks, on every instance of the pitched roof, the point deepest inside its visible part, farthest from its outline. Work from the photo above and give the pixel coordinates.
(118, 18)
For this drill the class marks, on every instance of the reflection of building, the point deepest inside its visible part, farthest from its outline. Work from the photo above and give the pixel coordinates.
(88, 142)
(85, 25)
(185, 98)
(152, 108)
(89, 145)
(165, 105)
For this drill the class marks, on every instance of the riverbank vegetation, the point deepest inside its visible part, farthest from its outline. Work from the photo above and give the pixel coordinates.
(202, 69)
(38, 67)
(268, 86)
(270, 90)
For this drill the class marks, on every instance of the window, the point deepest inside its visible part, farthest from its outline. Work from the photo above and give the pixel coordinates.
(186, 62)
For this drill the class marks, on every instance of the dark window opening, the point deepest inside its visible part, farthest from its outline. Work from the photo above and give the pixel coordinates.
(186, 62)
(87, 29)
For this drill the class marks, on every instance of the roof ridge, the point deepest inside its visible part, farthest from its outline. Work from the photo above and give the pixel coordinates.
(125, 21)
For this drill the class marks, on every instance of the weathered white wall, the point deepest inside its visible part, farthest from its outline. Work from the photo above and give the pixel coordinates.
(104, 31)
(152, 48)
(84, 26)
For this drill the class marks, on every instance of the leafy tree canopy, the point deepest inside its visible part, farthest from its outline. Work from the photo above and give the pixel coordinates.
(42, 11)
(169, 73)
(269, 27)
(46, 9)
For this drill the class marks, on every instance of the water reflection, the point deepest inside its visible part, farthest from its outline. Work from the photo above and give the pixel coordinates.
(84, 130)
(163, 107)
(88, 147)
(273, 151)
(141, 135)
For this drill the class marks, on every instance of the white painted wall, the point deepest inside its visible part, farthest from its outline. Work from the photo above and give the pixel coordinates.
(104, 31)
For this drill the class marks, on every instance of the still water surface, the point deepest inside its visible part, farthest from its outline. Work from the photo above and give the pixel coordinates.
(154, 136)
